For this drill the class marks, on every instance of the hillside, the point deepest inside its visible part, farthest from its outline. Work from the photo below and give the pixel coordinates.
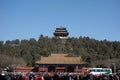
(26, 52)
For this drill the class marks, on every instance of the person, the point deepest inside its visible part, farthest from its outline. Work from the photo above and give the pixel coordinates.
(47, 76)
(8, 77)
(25, 77)
(39, 77)
(20, 77)
(77, 77)
(55, 77)
(2, 75)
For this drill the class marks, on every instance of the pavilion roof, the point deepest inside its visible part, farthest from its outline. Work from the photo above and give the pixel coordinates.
(59, 59)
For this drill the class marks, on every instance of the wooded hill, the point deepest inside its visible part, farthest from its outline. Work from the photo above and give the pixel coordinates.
(26, 52)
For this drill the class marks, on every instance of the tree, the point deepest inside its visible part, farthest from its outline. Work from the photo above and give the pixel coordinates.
(1, 47)
(101, 66)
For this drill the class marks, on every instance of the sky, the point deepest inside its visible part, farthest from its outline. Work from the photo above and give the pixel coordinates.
(25, 19)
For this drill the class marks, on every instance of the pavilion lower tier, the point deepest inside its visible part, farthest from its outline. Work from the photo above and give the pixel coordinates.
(60, 67)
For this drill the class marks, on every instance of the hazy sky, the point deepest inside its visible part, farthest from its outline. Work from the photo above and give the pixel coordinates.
(25, 19)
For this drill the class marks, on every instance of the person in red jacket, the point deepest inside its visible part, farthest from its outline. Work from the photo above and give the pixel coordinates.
(39, 77)
(25, 78)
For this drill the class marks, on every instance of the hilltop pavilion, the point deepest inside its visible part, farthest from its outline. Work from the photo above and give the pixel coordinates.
(61, 32)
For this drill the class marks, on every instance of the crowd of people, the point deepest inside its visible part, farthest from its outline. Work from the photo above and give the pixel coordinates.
(57, 76)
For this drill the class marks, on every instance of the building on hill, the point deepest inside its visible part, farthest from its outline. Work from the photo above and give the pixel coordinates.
(60, 63)
(61, 32)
